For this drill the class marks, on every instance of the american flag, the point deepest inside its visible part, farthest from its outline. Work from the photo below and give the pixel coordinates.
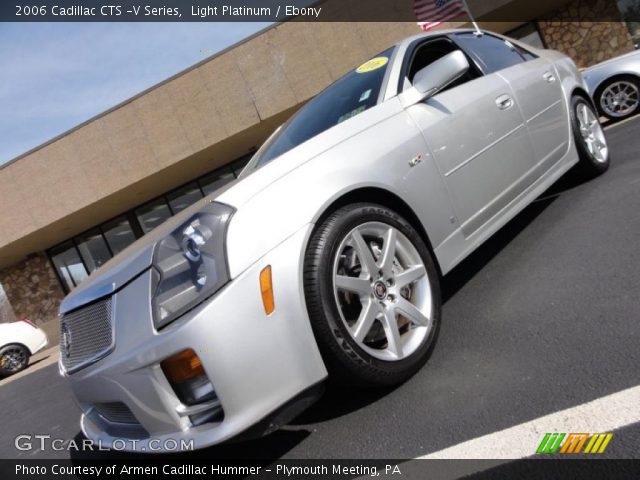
(431, 13)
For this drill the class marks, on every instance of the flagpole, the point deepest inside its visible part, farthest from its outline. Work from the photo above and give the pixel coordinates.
(473, 21)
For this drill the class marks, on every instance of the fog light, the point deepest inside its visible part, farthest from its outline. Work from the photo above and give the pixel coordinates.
(188, 379)
(266, 290)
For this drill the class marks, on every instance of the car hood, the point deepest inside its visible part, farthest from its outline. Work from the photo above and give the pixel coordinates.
(611, 61)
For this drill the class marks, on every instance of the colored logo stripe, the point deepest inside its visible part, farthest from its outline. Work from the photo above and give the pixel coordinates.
(550, 443)
(598, 443)
(574, 442)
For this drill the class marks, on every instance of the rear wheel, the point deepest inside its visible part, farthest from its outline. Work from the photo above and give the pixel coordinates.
(13, 358)
(589, 136)
(373, 296)
(619, 98)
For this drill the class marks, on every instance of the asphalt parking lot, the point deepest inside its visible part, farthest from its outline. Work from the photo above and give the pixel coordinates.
(544, 317)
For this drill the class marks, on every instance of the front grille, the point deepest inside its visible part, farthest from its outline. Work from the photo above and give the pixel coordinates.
(86, 335)
(116, 412)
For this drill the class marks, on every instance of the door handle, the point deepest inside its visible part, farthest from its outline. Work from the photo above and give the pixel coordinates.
(504, 102)
(549, 77)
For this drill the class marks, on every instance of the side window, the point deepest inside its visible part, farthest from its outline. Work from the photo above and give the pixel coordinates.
(433, 50)
(494, 53)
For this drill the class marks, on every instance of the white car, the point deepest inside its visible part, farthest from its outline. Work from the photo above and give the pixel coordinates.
(19, 340)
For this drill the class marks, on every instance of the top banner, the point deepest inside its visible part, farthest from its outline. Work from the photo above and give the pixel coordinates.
(290, 10)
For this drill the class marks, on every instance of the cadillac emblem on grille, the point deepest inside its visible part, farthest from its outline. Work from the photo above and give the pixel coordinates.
(66, 339)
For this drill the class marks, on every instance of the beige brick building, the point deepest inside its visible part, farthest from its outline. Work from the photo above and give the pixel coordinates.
(72, 203)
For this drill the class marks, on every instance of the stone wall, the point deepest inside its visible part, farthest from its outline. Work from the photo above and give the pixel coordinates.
(587, 43)
(32, 288)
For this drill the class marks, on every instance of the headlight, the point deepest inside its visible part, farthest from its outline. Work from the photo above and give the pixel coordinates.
(190, 263)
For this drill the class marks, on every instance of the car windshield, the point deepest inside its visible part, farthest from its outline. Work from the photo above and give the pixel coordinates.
(349, 96)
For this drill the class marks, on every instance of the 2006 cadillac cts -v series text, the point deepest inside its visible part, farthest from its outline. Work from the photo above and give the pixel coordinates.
(324, 258)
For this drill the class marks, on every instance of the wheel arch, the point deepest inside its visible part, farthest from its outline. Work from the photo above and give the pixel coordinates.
(581, 92)
(387, 199)
(19, 344)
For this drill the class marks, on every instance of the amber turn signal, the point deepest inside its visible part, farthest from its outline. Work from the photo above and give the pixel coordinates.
(266, 290)
(182, 366)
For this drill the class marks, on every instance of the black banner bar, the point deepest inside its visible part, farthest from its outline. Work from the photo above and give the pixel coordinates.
(182, 468)
(274, 11)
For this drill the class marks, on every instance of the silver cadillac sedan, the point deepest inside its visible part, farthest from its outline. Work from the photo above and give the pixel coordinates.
(324, 259)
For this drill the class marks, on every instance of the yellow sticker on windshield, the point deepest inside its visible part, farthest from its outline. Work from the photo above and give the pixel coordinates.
(373, 64)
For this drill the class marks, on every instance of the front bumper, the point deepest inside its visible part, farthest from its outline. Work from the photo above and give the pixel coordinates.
(256, 363)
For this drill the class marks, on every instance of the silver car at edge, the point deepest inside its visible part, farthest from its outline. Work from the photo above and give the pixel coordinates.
(324, 259)
(615, 86)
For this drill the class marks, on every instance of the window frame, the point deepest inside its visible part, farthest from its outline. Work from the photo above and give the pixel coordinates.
(156, 200)
(237, 166)
(219, 174)
(479, 61)
(60, 248)
(84, 238)
(180, 192)
(133, 223)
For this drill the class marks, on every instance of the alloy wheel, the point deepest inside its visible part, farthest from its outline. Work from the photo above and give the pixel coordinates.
(620, 99)
(383, 292)
(13, 359)
(592, 133)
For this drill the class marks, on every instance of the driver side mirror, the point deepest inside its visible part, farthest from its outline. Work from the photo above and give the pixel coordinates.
(435, 77)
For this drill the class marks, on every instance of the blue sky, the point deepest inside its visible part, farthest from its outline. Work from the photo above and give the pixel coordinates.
(54, 76)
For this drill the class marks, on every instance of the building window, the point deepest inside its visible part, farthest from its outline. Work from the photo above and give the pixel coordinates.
(238, 165)
(119, 234)
(153, 214)
(184, 197)
(93, 249)
(68, 264)
(212, 182)
(529, 34)
(74, 259)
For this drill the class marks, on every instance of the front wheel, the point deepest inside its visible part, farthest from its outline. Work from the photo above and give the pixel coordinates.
(13, 358)
(591, 143)
(373, 296)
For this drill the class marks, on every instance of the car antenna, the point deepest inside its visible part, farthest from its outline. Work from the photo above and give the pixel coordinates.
(478, 32)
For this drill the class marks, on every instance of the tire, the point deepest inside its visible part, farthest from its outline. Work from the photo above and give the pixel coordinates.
(13, 359)
(357, 355)
(591, 142)
(619, 98)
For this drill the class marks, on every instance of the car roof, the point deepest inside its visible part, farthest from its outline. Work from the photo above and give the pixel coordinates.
(436, 33)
